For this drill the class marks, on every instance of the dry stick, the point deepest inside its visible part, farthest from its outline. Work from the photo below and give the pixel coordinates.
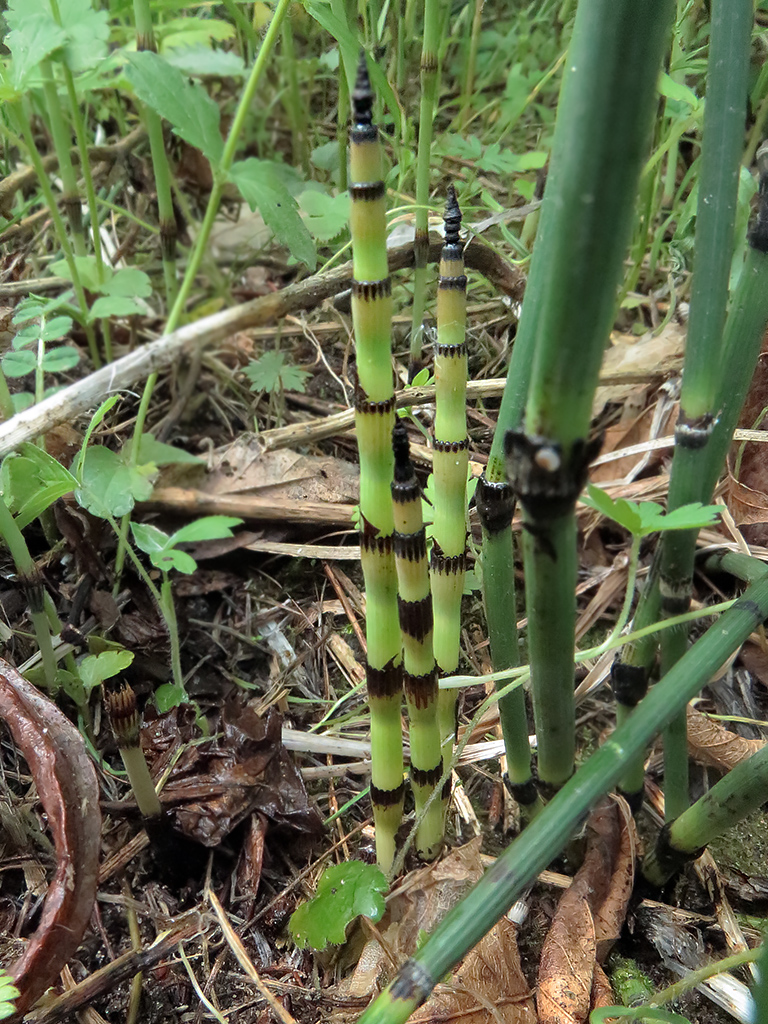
(124, 373)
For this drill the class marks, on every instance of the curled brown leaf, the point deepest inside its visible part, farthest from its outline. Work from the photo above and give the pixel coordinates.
(68, 789)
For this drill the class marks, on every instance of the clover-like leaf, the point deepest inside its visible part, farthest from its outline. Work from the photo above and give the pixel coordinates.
(344, 892)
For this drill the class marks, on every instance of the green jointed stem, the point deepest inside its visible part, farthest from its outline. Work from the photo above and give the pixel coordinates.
(419, 669)
(548, 833)
(449, 467)
(145, 40)
(722, 145)
(495, 506)
(374, 421)
(429, 81)
(603, 123)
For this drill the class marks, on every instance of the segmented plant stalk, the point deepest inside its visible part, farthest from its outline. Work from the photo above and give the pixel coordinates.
(145, 40)
(429, 80)
(374, 421)
(609, 88)
(59, 129)
(124, 719)
(450, 459)
(715, 218)
(419, 669)
(496, 506)
(548, 833)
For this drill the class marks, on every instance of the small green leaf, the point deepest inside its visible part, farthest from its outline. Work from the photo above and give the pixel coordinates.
(34, 36)
(271, 373)
(110, 487)
(128, 282)
(95, 668)
(648, 516)
(60, 359)
(87, 271)
(113, 305)
(19, 364)
(261, 186)
(187, 31)
(8, 992)
(423, 378)
(151, 450)
(169, 696)
(200, 60)
(207, 528)
(148, 538)
(172, 558)
(56, 328)
(191, 112)
(31, 481)
(344, 892)
(325, 216)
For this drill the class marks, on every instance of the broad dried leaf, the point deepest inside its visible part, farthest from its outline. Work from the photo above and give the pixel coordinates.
(651, 355)
(610, 915)
(216, 785)
(714, 746)
(68, 789)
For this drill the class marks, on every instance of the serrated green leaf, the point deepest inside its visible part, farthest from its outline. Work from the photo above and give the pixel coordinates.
(344, 892)
(200, 60)
(207, 528)
(690, 517)
(60, 359)
(271, 373)
(261, 186)
(188, 108)
(325, 216)
(95, 668)
(128, 282)
(108, 486)
(113, 305)
(34, 36)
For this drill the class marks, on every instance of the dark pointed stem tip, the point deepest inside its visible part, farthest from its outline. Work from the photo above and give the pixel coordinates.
(401, 449)
(452, 217)
(362, 94)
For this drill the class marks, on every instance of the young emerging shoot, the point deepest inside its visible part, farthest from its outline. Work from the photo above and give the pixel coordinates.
(374, 421)
(419, 669)
(124, 720)
(450, 461)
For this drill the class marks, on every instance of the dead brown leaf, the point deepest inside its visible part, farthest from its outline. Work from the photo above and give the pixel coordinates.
(714, 746)
(656, 355)
(487, 987)
(69, 792)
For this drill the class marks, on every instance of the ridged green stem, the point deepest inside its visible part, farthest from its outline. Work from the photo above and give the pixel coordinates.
(145, 40)
(469, 77)
(59, 129)
(449, 466)
(603, 123)
(294, 103)
(416, 626)
(429, 75)
(548, 833)
(33, 587)
(374, 421)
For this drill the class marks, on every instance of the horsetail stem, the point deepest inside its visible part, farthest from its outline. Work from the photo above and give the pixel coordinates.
(145, 40)
(419, 669)
(124, 719)
(429, 75)
(374, 421)
(60, 133)
(449, 467)
(722, 145)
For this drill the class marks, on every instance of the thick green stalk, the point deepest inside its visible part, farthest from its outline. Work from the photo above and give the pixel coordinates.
(548, 833)
(145, 40)
(32, 584)
(416, 626)
(603, 123)
(430, 76)
(449, 466)
(374, 421)
(495, 506)
(59, 129)
(722, 145)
